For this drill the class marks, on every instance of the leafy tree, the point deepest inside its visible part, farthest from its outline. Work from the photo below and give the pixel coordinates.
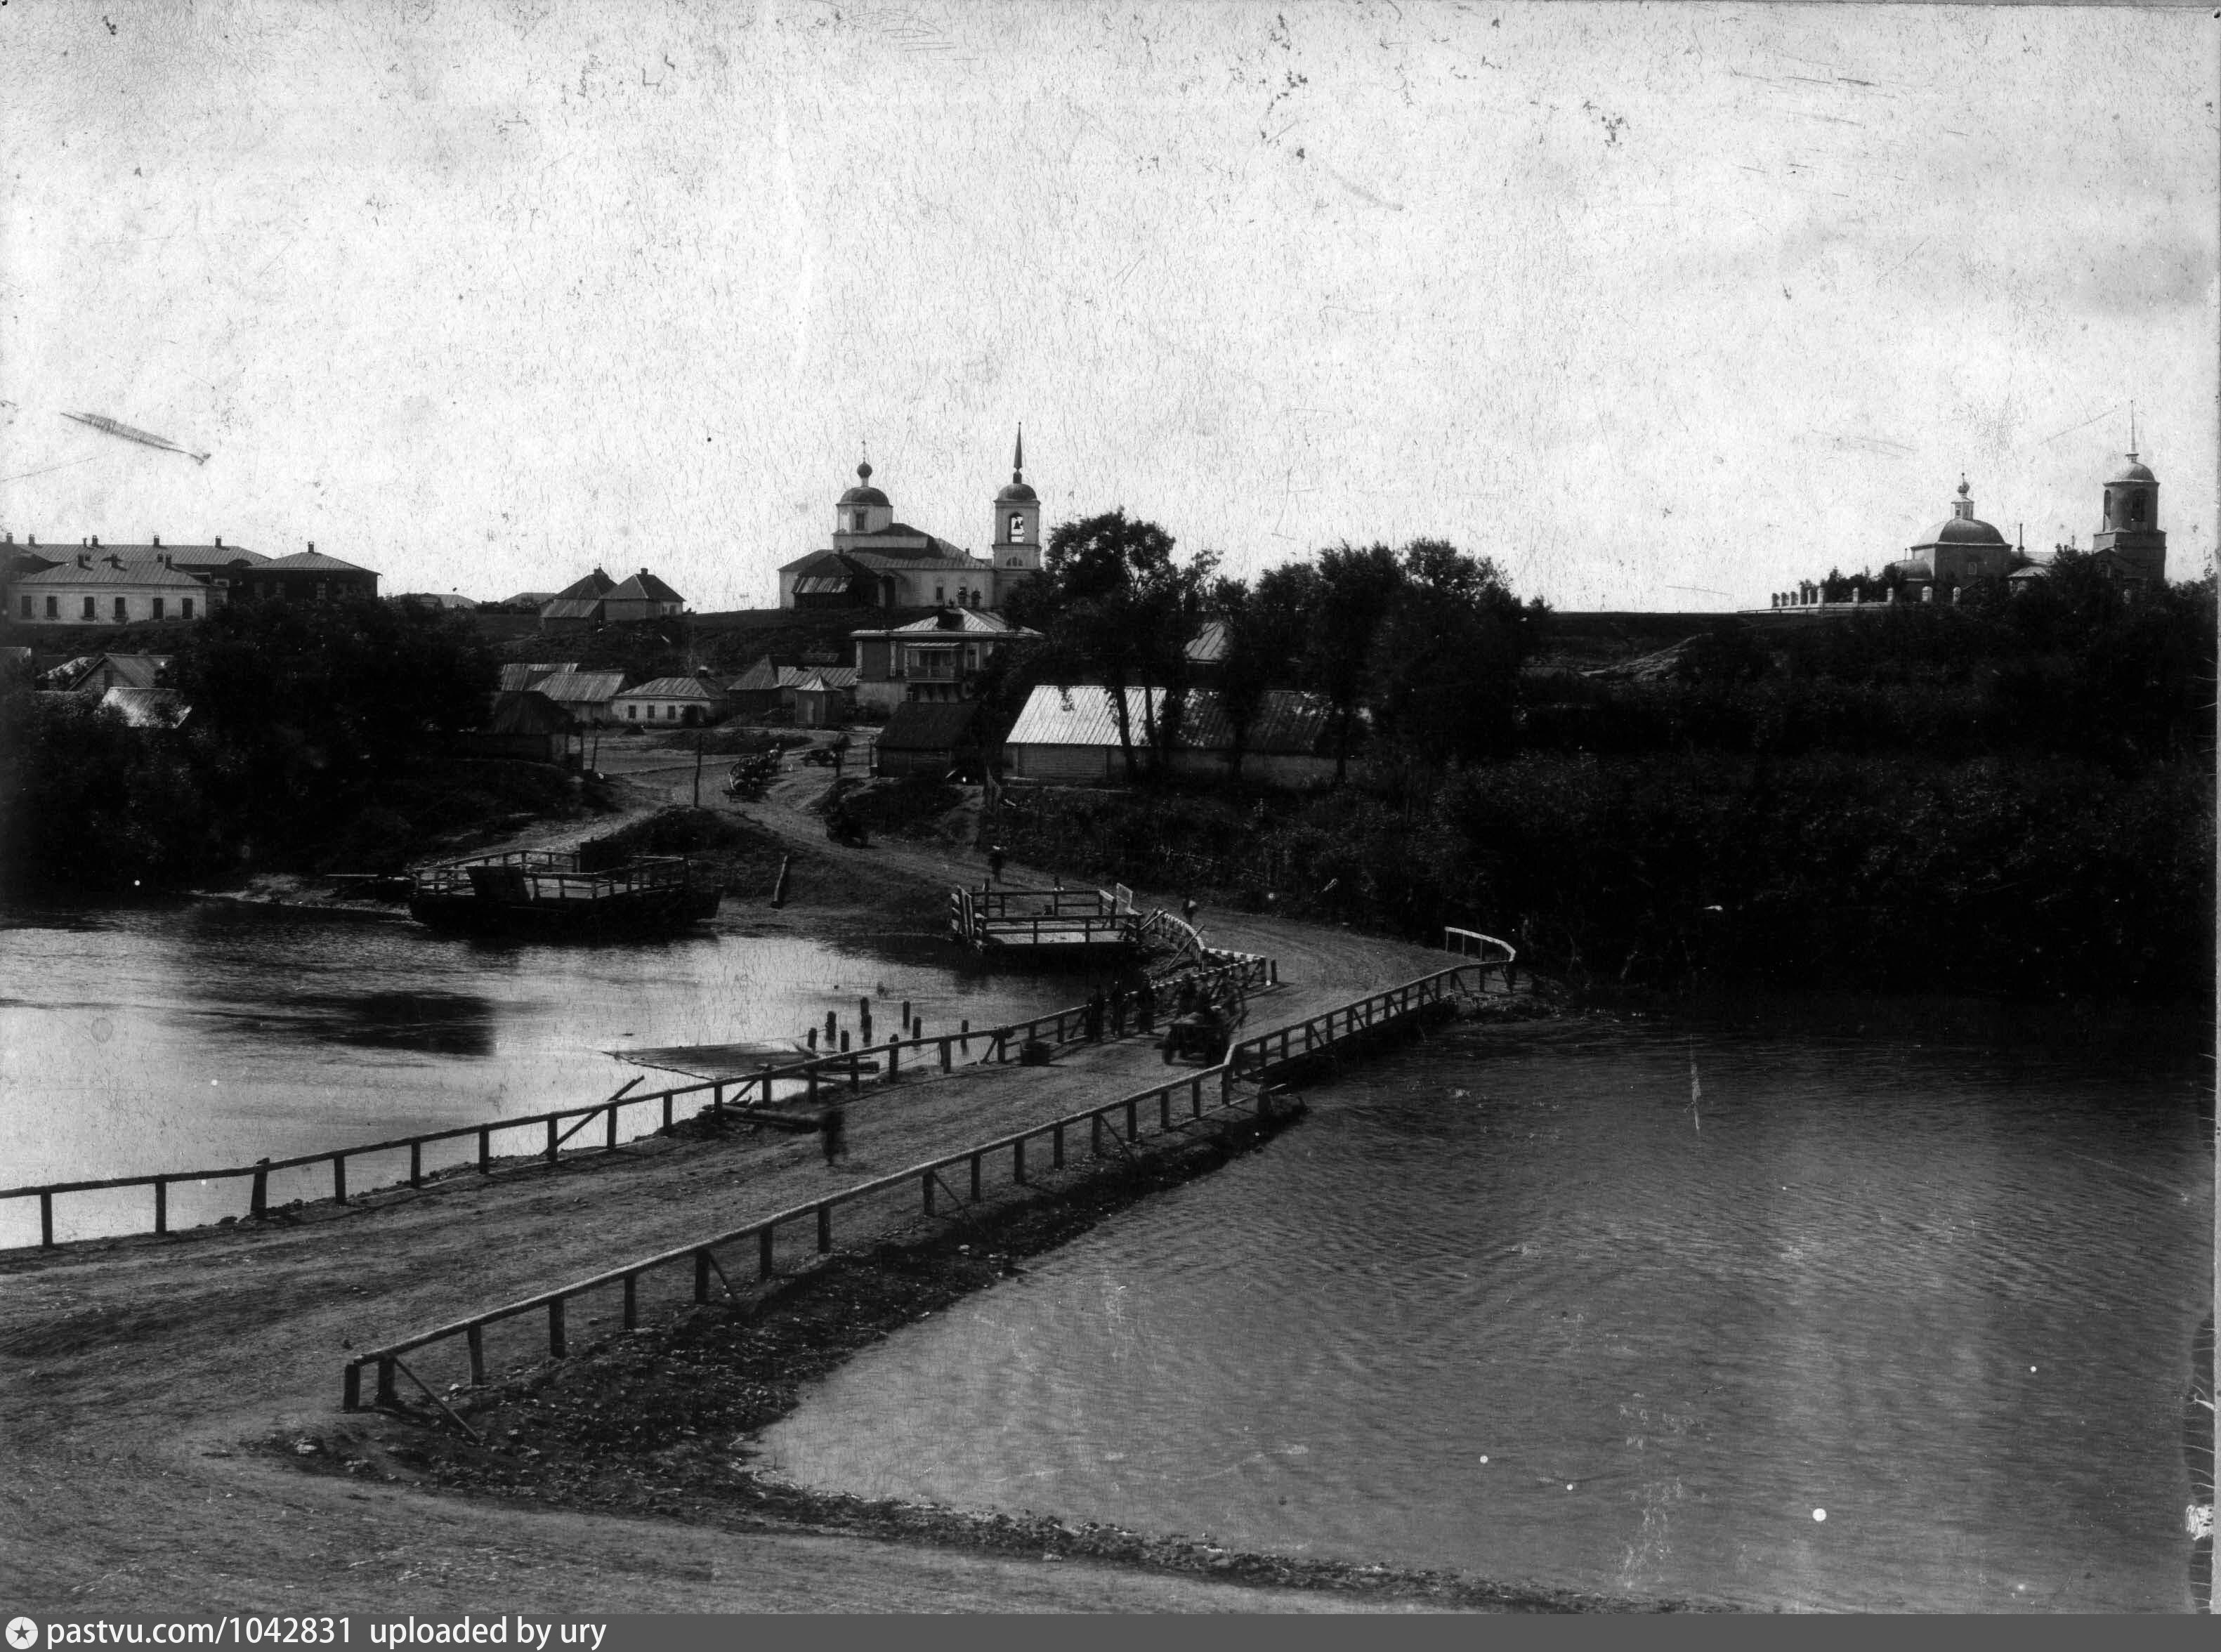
(1264, 629)
(1116, 607)
(1355, 590)
(300, 710)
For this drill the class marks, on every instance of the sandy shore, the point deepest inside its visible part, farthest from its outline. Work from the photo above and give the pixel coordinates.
(145, 1382)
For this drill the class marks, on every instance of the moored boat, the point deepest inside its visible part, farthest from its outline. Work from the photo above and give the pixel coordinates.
(544, 894)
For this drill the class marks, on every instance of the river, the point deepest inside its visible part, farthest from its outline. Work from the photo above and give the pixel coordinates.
(1895, 1315)
(138, 1038)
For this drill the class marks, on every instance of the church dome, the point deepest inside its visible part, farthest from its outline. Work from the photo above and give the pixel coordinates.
(1016, 493)
(2133, 471)
(1963, 531)
(863, 492)
(1963, 527)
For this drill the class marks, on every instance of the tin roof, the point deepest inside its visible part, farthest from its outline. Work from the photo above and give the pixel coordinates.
(104, 572)
(575, 687)
(675, 688)
(310, 562)
(1288, 724)
(515, 679)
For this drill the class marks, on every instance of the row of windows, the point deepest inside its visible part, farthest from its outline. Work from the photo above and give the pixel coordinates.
(157, 608)
(670, 712)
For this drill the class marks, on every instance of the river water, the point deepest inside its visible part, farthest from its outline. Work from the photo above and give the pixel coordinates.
(136, 1038)
(1898, 1315)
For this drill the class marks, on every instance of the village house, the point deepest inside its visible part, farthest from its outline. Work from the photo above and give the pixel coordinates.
(1070, 736)
(599, 600)
(875, 561)
(590, 696)
(929, 738)
(670, 702)
(820, 701)
(939, 658)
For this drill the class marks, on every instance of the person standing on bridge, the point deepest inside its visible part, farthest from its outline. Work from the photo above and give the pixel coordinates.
(1188, 911)
(833, 1127)
(995, 864)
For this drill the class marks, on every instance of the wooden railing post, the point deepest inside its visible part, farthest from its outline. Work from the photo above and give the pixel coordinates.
(416, 1164)
(975, 1177)
(1165, 1108)
(161, 1203)
(1018, 1160)
(385, 1394)
(350, 1389)
(894, 1060)
(46, 1221)
(927, 1180)
(701, 1276)
(258, 1198)
(551, 1141)
(1056, 1147)
(486, 1151)
(474, 1337)
(555, 1344)
(339, 1178)
(1133, 1118)
(610, 1142)
(944, 1053)
(764, 1251)
(825, 1229)
(666, 1109)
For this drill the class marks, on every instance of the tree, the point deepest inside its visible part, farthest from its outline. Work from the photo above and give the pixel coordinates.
(1116, 607)
(1264, 629)
(301, 708)
(1355, 590)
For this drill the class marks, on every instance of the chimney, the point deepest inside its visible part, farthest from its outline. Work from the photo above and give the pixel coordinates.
(312, 547)
(219, 541)
(84, 559)
(158, 541)
(96, 542)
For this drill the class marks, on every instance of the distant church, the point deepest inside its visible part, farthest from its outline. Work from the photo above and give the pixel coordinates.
(2130, 548)
(875, 561)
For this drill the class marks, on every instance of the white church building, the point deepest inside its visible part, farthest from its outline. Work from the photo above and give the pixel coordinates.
(875, 561)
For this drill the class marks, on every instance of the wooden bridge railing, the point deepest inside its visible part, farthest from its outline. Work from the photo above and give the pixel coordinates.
(813, 1072)
(1251, 1057)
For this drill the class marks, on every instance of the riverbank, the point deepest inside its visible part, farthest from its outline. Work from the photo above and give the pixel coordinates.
(666, 1420)
(138, 1375)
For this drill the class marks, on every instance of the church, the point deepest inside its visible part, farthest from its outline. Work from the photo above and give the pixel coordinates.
(2130, 548)
(875, 561)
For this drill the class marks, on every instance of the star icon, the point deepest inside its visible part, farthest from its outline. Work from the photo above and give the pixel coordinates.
(23, 1633)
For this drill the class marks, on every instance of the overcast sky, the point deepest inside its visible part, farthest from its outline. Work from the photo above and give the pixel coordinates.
(1661, 306)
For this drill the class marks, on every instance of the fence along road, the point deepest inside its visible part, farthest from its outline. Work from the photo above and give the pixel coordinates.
(1251, 1059)
(997, 1044)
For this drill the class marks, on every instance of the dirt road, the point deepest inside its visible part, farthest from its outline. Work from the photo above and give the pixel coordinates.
(141, 1379)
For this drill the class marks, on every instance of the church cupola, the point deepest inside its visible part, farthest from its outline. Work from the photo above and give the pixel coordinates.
(863, 509)
(1018, 518)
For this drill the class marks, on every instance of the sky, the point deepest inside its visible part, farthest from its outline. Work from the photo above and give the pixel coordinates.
(1660, 307)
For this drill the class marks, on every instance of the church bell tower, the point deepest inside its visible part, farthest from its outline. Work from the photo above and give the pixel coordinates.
(2131, 530)
(1016, 542)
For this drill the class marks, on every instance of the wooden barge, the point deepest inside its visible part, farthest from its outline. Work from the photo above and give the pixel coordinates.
(543, 895)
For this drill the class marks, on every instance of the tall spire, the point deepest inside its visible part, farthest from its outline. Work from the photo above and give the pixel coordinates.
(1018, 456)
(2132, 430)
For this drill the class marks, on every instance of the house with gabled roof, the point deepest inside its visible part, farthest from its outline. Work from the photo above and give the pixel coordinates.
(939, 658)
(1070, 736)
(670, 702)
